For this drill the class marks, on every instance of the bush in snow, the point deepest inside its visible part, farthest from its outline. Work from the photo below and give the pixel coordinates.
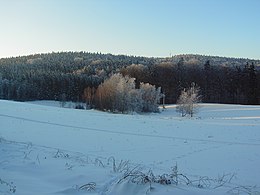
(187, 103)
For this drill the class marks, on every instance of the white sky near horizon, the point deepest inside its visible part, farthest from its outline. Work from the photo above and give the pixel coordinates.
(138, 27)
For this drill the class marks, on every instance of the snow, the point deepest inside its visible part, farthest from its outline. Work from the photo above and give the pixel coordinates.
(53, 150)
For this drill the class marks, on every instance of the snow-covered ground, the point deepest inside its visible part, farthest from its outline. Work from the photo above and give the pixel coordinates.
(53, 150)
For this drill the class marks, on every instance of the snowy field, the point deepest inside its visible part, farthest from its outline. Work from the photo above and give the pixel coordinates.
(53, 150)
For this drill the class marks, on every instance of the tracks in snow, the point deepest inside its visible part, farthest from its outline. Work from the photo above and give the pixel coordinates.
(128, 133)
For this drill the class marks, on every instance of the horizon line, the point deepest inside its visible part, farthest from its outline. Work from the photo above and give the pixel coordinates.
(130, 55)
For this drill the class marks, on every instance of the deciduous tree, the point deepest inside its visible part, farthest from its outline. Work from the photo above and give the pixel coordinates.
(187, 103)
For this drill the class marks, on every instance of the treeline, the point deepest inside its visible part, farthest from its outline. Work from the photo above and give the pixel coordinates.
(218, 84)
(65, 76)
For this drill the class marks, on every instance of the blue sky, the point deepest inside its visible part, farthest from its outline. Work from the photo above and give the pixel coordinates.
(134, 27)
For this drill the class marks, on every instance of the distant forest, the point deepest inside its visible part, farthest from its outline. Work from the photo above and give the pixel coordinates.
(65, 76)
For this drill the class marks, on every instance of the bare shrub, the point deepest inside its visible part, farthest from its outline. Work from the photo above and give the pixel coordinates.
(11, 187)
(120, 167)
(91, 186)
(187, 103)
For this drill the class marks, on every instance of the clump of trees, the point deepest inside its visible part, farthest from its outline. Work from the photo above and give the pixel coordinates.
(187, 103)
(119, 94)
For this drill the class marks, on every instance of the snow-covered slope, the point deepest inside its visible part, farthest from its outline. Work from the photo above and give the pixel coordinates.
(51, 150)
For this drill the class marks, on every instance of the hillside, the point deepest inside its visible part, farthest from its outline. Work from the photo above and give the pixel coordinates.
(65, 75)
(86, 57)
(216, 60)
(52, 150)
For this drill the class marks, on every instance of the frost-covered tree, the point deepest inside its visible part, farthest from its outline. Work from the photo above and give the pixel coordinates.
(187, 103)
(150, 96)
(114, 93)
(136, 101)
(106, 92)
(182, 103)
(123, 98)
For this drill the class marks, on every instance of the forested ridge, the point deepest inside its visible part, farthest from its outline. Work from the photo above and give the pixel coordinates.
(65, 75)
